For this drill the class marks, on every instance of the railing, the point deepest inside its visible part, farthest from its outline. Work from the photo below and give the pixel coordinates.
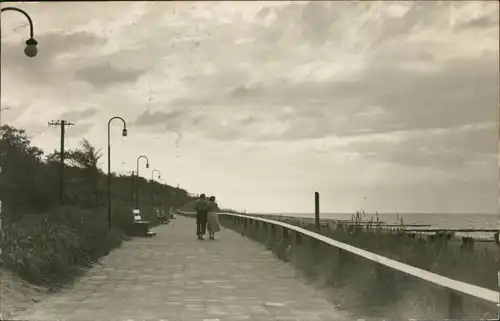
(453, 285)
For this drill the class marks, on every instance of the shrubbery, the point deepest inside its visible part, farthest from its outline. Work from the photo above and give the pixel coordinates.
(47, 242)
(439, 255)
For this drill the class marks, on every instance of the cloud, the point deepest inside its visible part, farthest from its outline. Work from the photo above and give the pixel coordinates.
(49, 63)
(170, 120)
(78, 114)
(78, 131)
(480, 22)
(356, 98)
(105, 75)
(443, 149)
(382, 99)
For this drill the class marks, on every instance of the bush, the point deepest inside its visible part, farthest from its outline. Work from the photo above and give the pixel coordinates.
(48, 241)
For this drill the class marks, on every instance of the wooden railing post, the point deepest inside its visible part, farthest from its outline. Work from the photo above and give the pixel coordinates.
(498, 304)
(298, 238)
(455, 305)
(316, 209)
(273, 230)
(340, 258)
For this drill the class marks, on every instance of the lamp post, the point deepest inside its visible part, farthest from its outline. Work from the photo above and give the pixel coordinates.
(153, 187)
(30, 51)
(132, 176)
(31, 44)
(137, 180)
(124, 134)
(164, 182)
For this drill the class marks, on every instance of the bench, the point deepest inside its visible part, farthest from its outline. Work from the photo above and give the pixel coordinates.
(172, 212)
(164, 219)
(141, 227)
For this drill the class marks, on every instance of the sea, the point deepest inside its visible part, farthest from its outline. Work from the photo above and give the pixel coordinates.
(439, 221)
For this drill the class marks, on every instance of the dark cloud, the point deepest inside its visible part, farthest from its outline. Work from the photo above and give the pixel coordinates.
(105, 75)
(455, 195)
(488, 20)
(446, 149)
(78, 114)
(170, 120)
(50, 46)
(79, 130)
(244, 91)
(316, 20)
(460, 92)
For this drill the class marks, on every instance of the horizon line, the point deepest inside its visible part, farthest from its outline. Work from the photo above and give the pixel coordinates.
(374, 213)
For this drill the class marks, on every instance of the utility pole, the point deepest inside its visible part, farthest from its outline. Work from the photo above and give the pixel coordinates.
(63, 124)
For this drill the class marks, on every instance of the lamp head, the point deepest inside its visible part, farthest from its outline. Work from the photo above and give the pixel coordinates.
(147, 165)
(31, 48)
(124, 132)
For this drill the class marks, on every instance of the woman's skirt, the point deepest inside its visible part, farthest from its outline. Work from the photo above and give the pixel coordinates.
(213, 222)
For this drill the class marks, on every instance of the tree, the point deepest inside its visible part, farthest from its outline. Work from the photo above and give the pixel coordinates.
(87, 158)
(22, 184)
(29, 184)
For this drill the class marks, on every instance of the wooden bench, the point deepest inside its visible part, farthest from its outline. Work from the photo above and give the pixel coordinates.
(172, 211)
(162, 217)
(141, 227)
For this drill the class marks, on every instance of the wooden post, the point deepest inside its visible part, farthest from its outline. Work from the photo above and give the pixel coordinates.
(273, 230)
(298, 239)
(316, 209)
(455, 305)
(285, 234)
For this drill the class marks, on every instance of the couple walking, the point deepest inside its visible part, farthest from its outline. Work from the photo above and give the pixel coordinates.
(206, 214)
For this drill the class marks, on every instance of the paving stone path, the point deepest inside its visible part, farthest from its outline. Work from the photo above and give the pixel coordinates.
(176, 277)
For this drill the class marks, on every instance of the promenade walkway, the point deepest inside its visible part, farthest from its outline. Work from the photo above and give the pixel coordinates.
(176, 277)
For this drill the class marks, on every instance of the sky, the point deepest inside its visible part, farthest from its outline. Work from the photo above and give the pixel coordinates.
(388, 106)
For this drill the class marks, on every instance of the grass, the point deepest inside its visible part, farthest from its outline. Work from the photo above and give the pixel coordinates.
(50, 249)
(47, 240)
(440, 254)
(365, 289)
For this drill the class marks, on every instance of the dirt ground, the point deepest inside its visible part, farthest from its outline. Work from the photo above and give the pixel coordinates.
(17, 295)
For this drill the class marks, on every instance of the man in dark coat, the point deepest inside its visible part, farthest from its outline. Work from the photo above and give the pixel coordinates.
(201, 216)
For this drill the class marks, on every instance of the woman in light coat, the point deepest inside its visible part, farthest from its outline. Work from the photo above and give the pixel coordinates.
(213, 217)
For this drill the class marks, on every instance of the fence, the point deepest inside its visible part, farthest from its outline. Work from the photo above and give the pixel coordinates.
(456, 289)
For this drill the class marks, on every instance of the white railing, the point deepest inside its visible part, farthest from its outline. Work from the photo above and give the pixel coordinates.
(455, 285)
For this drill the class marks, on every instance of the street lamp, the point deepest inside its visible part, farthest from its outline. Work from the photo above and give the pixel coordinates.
(137, 185)
(124, 134)
(30, 51)
(153, 186)
(152, 173)
(164, 182)
(31, 44)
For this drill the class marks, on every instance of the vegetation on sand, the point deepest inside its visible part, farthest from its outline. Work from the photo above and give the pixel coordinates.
(46, 240)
